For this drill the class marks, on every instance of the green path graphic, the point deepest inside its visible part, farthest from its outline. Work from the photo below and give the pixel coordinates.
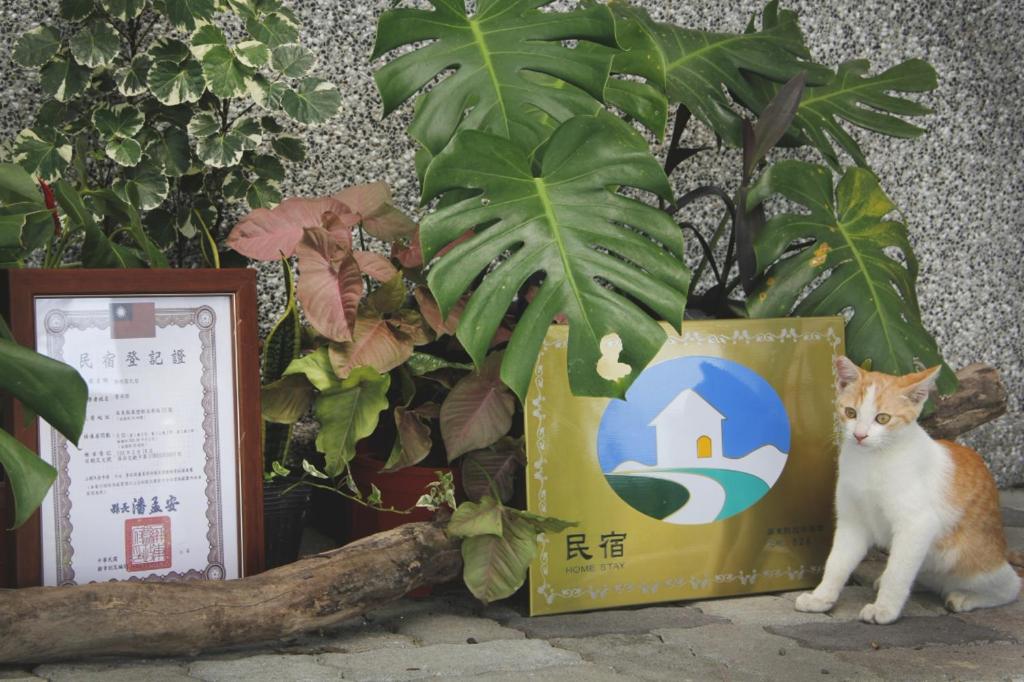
(741, 489)
(654, 497)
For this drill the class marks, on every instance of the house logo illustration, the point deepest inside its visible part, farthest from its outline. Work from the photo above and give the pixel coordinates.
(697, 440)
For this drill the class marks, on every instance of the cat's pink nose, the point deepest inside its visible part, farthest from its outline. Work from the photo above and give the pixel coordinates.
(860, 437)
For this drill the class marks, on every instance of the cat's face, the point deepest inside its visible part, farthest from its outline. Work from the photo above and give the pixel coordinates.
(873, 406)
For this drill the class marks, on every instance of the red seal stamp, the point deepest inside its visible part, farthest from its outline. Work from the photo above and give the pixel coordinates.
(147, 543)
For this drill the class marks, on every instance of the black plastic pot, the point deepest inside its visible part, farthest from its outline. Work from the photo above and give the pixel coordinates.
(284, 517)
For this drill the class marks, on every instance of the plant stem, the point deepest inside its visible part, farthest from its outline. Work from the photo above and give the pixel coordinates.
(713, 242)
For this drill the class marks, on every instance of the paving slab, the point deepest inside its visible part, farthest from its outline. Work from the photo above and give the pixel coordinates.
(451, 660)
(977, 663)
(17, 675)
(906, 632)
(1012, 498)
(645, 657)
(294, 668)
(586, 671)
(611, 622)
(1015, 537)
(760, 610)
(133, 671)
(1008, 619)
(449, 628)
(1013, 518)
(749, 652)
(854, 597)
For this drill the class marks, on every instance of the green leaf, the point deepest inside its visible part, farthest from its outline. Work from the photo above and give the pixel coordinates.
(250, 131)
(494, 567)
(273, 30)
(284, 340)
(862, 100)
(124, 151)
(389, 296)
(696, 67)
(205, 38)
(262, 194)
(313, 471)
(293, 61)
(97, 250)
(203, 124)
(95, 44)
(52, 114)
(316, 367)
(843, 263)
(36, 47)
(476, 518)
(185, 13)
(50, 388)
(29, 476)
(286, 400)
(168, 50)
(252, 53)
(225, 74)
(314, 101)
(221, 151)
(17, 185)
(424, 363)
(173, 83)
(264, 92)
(270, 125)
(123, 9)
(267, 166)
(348, 414)
(510, 67)
(43, 152)
(145, 188)
(291, 148)
(170, 151)
(76, 10)
(554, 222)
(120, 120)
(131, 79)
(543, 524)
(64, 79)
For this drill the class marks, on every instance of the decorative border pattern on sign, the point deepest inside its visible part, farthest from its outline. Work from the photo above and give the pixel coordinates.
(56, 323)
(546, 590)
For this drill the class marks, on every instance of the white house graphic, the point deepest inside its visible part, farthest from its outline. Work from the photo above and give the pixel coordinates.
(689, 437)
(689, 429)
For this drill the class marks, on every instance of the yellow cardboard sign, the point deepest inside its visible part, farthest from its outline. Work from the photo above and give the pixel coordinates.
(713, 477)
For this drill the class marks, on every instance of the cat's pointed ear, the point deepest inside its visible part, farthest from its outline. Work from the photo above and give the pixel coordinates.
(918, 386)
(847, 371)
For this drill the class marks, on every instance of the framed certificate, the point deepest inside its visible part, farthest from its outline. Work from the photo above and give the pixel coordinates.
(166, 480)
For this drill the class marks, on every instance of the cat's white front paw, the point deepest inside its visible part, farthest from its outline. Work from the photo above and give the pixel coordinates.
(809, 603)
(878, 613)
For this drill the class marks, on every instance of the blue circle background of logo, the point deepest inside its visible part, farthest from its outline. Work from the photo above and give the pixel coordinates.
(754, 413)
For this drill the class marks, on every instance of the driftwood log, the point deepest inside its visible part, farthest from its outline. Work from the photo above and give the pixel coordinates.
(980, 398)
(166, 619)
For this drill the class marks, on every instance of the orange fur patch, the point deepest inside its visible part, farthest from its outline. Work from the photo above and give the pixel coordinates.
(978, 539)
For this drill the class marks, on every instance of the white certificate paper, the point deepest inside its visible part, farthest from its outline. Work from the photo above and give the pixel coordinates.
(150, 491)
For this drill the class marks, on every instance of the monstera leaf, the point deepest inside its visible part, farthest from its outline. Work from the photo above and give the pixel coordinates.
(855, 98)
(509, 66)
(842, 263)
(569, 223)
(691, 66)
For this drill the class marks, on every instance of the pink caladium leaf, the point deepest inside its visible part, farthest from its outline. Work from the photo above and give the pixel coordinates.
(340, 226)
(380, 218)
(376, 266)
(408, 255)
(267, 234)
(413, 443)
(478, 410)
(330, 284)
(375, 343)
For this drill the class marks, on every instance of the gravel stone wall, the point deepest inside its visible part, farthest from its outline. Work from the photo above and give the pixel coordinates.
(959, 186)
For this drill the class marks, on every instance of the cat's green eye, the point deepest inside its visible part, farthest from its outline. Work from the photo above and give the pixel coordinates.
(851, 413)
(883, 418)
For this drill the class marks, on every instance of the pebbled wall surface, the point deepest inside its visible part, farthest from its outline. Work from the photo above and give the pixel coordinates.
(959, 187)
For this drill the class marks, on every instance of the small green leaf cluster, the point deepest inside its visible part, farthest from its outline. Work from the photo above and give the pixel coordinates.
(153, 100)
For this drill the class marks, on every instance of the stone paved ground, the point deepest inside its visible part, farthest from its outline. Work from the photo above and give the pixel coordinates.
(451, 636)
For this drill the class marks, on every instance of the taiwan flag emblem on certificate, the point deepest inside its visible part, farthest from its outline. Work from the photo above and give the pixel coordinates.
(132, 320)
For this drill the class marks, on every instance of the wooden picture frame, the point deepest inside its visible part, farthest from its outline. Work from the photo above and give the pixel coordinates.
(95, 303)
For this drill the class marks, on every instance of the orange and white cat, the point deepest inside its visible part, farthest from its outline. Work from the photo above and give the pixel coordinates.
(932, 504)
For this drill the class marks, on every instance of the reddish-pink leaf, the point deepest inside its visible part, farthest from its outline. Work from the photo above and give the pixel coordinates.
(374, 344)
(412, 324)
(340, 226)
(375, 265)
(380, 218)
(330, 284)
(266, 234)
(432, 313)
(468, 234)
(409, 256)
(478, 410)
(499, 463)
(413, 443)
